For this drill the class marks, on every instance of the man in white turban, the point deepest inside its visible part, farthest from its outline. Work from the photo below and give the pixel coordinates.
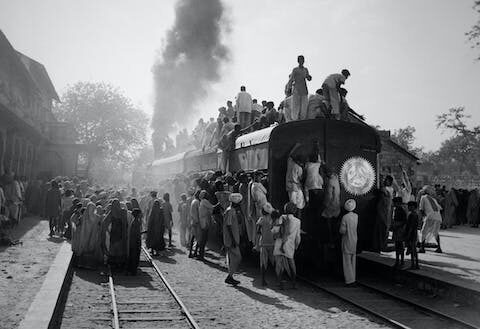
(348, 230)
(231, 236)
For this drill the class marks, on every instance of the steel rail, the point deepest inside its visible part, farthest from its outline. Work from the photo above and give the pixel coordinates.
(419, 306)
(172, 292)
(116, 322)
(385, 318)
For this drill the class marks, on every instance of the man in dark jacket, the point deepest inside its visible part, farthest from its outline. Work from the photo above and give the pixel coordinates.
(53, 206)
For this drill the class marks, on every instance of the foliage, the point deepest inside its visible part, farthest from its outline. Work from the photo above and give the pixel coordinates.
(145, 157)
(474, 34)
(459, 154)
(405, 137)
(104, 117)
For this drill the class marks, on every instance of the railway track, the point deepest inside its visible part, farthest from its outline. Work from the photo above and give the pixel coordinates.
(393, 309)
(146, 300)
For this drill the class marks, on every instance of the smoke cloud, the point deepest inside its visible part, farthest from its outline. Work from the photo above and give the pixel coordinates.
(190, 62)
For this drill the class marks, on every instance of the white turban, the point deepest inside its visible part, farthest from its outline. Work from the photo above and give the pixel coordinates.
(350, 205)
(235, 198)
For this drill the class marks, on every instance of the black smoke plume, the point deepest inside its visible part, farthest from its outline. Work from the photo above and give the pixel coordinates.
(190, 62)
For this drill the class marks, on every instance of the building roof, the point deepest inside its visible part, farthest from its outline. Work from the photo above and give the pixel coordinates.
(39, 76)
(401, 148)
(13, 72)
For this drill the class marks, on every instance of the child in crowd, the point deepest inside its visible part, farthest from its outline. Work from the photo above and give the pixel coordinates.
(348, 230)
(399, 223)
(411, 233)
(265, 240)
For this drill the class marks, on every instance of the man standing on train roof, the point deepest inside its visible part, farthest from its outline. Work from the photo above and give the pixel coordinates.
(298, 81)
(243, 107)
(331, 87)
(230, 110)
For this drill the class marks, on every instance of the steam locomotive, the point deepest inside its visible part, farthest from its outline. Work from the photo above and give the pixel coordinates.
(350, 148)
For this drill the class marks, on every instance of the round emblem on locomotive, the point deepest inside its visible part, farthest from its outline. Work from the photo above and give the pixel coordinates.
(357, 176)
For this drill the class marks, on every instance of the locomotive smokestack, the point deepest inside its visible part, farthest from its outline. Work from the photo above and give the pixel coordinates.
(190, 62)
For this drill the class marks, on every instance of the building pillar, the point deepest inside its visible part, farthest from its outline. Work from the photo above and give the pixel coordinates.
(29, 163)
(16, 155)
(21, 157)
(25, 157)
(2, 151)
(9, 150)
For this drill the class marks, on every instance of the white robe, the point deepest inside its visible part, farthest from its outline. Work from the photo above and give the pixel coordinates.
(348, 229)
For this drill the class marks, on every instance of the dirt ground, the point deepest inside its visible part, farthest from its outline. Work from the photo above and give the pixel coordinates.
(23, 268)
(217, 305)
(250, 305)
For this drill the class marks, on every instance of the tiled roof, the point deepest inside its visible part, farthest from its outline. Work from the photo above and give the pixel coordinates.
(40, 76)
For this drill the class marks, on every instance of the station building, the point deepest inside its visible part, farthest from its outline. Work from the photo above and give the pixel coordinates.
(33, 143)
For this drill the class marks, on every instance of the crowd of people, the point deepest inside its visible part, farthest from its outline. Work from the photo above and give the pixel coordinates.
(105, 226)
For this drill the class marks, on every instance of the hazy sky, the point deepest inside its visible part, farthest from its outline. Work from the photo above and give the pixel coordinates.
(409, 59)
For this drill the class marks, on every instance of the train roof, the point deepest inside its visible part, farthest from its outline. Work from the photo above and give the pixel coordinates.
(170, 159)
(254, 138)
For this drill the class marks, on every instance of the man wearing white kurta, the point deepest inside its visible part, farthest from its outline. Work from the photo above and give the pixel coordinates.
(298, 79)
(348, 230)
(331, 87)
(243, 107)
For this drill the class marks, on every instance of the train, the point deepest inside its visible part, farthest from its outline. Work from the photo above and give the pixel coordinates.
(351, 149)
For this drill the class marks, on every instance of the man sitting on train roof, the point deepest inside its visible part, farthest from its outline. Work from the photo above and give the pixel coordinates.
(271, 115)
(316, 105)
(257, 110)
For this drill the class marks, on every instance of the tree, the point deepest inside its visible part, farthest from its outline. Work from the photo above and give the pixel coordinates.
(474, 34)
(104, 117)
(463, 149)
(405, 137)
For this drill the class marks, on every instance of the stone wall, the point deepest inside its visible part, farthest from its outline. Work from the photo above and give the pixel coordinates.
(391, 156)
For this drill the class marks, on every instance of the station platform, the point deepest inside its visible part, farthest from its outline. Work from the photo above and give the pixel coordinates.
(30, 274)
(454, 274)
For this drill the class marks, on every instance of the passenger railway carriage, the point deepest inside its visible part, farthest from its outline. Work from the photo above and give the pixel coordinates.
(351, 149)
